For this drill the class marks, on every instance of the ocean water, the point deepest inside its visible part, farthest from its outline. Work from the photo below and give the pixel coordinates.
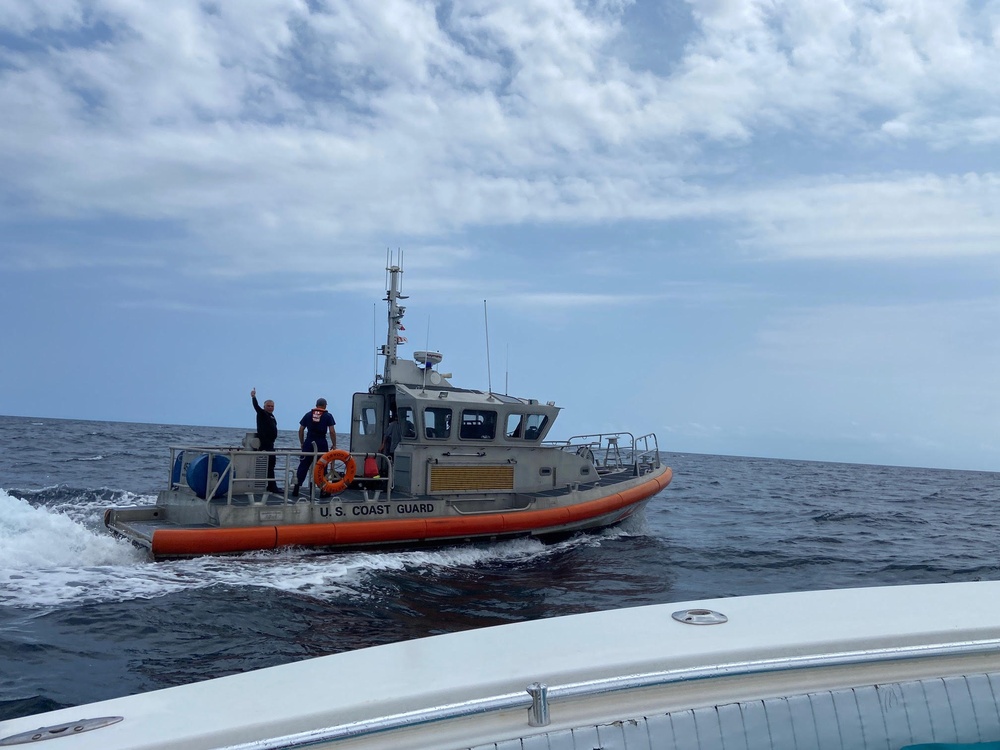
(85, 617)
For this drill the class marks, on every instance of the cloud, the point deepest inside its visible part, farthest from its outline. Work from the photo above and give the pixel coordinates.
(837, 64)
(286, 129)
(893, 217)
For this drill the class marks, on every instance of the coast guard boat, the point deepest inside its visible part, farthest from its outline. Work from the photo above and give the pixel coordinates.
(905, 667)
(469, 465)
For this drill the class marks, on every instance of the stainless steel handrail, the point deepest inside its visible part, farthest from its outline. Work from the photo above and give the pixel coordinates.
(289, 468)
(590, 688)
(609, 449)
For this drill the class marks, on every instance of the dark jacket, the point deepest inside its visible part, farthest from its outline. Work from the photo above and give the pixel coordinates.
(267, 426)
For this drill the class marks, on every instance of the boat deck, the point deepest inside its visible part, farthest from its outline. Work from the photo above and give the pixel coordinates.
(888, 668)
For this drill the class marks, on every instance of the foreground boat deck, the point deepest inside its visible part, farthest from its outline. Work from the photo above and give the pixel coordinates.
(863, 668)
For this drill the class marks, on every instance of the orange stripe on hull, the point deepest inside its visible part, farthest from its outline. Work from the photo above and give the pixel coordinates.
(175, 542)
(212, 541)
(396, 530)
(307, 535)
(540, 519)
(459, 526)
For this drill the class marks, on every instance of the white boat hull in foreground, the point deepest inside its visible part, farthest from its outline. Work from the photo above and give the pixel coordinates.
(861, 668)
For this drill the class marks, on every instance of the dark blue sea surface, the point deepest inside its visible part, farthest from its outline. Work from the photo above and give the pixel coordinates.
(85, 617)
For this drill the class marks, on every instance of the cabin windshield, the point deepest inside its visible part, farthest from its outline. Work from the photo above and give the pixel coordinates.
(525, 426)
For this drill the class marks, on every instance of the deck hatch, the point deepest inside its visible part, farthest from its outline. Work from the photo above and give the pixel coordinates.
(471, 478)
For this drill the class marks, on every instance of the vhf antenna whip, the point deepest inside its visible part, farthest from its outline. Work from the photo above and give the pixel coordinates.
(489, 373)
(427, 348)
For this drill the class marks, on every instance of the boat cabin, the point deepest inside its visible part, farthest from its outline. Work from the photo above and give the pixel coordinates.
(453, 440)
(441, 424)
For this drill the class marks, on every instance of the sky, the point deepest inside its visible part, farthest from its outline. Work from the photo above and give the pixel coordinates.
(753, 227)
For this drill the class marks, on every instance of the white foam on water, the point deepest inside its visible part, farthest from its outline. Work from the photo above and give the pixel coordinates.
(52, 557)
(324, 575)
(37, 538)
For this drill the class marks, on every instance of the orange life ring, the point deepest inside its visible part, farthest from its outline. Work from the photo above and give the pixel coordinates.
(319, 473)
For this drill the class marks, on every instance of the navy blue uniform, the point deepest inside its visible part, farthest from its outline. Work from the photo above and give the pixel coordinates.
(317, 422)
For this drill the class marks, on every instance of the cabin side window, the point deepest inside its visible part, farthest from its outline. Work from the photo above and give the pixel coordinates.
(478, 424)
(409, 431)
(366, 421)
(535, 426)
(437, 423)
(515, 426)
(525, 426)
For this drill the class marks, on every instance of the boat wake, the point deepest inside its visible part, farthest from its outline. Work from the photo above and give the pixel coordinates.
(54, 554)
(34, 538)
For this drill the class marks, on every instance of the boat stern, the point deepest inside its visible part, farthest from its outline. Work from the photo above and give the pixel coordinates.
(136, 524)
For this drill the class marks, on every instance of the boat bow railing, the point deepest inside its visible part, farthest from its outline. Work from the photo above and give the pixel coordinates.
(614, 451)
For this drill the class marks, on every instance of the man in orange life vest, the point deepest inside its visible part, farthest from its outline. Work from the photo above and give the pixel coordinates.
(312, 435)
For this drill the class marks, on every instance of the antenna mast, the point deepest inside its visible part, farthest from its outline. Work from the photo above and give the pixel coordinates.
(395, 315)
(489, 373)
